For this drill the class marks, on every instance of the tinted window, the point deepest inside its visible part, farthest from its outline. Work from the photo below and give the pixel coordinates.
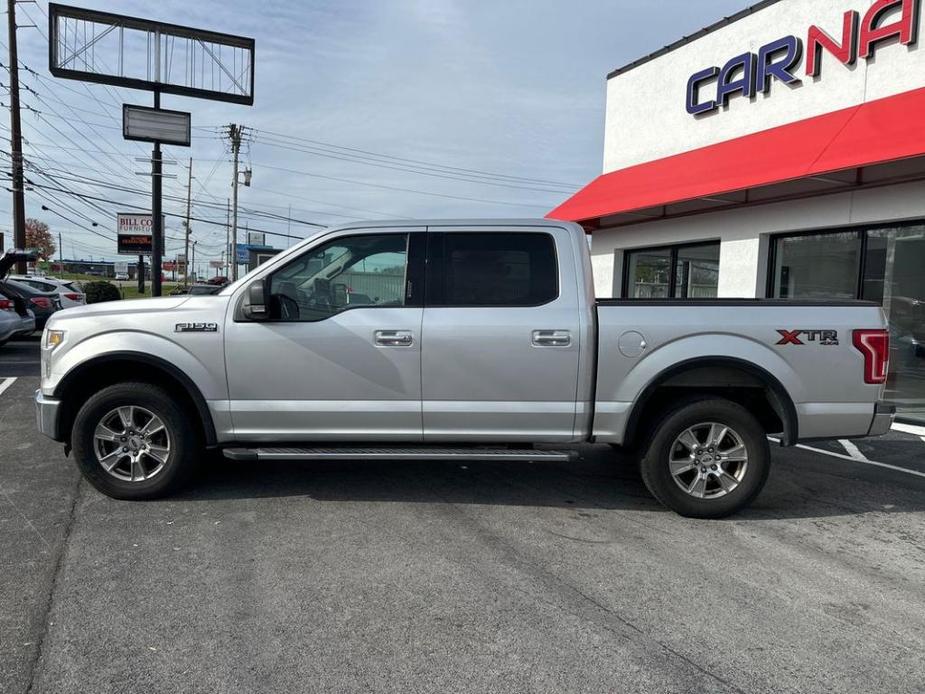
(493, 269)
(349, 272)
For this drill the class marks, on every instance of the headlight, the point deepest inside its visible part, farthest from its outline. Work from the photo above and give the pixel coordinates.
(53, 338)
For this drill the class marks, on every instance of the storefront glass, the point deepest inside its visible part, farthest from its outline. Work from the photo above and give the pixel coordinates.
(678, 272)
(817, 266)
(649, 274)
(883, 264)
(697, 272)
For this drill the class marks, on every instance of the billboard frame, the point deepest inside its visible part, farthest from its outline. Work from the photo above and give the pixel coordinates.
(56, 10)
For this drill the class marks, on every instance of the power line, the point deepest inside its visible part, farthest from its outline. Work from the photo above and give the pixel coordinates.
(419, 162)
(466, 178)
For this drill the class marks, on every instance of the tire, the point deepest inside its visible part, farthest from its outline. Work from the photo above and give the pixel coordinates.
(718, 482)
(157, 463)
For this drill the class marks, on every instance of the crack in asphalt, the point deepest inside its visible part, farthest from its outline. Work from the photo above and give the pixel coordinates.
(33, 669)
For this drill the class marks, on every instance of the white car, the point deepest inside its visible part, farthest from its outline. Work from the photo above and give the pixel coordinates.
(69, 293)
(122, 276)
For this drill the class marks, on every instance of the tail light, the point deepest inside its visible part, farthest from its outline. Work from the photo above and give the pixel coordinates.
(6, 305)
(72, 296)
(875, 346)
(40, 302)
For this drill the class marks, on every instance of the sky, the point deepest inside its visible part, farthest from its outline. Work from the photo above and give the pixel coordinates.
(498, 105)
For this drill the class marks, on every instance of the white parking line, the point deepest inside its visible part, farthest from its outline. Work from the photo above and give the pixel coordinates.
(6, 383)
(853, 450)
(910, 429)
(841, 456)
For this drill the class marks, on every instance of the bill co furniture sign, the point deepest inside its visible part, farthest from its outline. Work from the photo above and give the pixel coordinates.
(133, 233)
(785, 59)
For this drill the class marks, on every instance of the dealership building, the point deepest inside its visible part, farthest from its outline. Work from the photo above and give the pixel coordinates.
(777, 153)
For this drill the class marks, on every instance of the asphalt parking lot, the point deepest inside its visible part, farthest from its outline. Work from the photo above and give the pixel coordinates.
(445, 577)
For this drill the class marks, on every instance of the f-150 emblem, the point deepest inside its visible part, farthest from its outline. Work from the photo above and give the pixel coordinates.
(827, 338)
(196, 328)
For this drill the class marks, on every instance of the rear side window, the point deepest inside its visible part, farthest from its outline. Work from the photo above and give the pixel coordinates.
(491, 269)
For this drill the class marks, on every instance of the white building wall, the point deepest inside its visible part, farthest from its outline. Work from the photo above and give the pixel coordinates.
(744, 233)
(646, 117)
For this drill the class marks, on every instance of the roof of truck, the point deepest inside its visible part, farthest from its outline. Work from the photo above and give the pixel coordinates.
(470, 222)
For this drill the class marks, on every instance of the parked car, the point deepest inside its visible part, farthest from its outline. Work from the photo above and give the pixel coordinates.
(220, 280)
(16, 320)
(121, 277)
(68, 292)
(42, 304)
(485, 342)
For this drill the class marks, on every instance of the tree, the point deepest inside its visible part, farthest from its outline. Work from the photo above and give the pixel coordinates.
(39, 237)
(101, 291)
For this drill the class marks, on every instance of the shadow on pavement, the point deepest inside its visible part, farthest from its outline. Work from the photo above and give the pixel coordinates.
(801, 485)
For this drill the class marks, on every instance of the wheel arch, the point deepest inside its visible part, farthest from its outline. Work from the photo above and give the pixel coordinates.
(717, 375)
(120, 366)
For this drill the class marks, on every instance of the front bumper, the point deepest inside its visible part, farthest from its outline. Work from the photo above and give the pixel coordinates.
(883, 419)
(47, 411)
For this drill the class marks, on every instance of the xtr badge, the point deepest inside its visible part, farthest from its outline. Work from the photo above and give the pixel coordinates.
(826, 338)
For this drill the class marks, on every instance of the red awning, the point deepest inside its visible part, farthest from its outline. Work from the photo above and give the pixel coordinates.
(877, 132)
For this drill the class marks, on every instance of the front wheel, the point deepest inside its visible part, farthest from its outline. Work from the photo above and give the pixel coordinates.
(135, 441)
(707, 459)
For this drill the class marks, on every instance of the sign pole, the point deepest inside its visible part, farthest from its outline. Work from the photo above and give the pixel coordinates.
(141, 274)
(157, 231)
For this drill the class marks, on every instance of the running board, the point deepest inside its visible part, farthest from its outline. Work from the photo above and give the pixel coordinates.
(403, 453)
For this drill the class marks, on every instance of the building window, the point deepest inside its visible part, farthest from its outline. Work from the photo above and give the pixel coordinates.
(817, 266)
(676, 272)
(883, 264)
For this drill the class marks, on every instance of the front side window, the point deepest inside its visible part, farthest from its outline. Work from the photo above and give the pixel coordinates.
(492, 269)
(677, 272)
(349, 272)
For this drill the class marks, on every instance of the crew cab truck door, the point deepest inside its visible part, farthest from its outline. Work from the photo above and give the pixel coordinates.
(501, 335)
(339, 356)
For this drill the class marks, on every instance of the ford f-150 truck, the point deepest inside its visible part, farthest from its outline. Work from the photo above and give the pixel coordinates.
(456, 340)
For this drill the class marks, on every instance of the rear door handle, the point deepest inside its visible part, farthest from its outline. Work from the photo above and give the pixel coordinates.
(394, 338)
(552, 338)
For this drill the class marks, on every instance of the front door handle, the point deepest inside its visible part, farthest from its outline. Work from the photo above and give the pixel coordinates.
(394, 338)
(552, 338)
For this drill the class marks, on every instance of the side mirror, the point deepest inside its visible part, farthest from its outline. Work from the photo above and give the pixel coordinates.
(255, 304)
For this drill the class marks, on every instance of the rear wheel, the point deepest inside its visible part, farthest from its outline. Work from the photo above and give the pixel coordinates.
(134, 441)
(707, 458)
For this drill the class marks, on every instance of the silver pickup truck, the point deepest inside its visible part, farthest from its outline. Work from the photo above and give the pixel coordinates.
(456, 340)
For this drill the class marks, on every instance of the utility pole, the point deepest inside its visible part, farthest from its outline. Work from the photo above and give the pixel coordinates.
(189, 189)
(234, 134)
(225, 256)
(19, 203)
(60, 250)
(193, 263)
